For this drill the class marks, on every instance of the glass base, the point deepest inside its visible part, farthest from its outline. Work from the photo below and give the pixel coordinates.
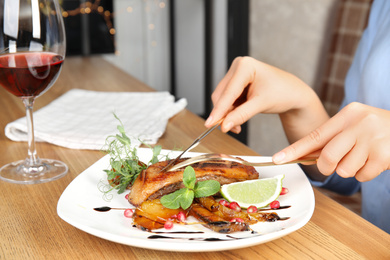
(22, 172)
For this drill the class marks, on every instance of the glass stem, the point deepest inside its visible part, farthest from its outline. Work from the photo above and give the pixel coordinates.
(32, 157)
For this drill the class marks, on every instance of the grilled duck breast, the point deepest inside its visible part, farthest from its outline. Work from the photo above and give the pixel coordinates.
(152, 183)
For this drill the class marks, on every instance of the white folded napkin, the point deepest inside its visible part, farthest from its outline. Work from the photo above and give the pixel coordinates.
(83, 119)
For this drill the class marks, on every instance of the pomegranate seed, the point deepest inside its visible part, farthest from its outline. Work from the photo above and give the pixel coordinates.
(235, 206)
(168, 224)
(127, 197)
(128, 213)
(251, 209)
(237, 220)
(181, 216)
(224, 203)
(274, 204)
(284, 191)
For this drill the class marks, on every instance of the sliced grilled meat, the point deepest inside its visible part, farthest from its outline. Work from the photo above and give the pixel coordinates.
(214, 222)
(227, 213)
(152, 183)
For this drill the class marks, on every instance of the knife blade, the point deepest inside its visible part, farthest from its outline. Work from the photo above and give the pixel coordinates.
(193, 145)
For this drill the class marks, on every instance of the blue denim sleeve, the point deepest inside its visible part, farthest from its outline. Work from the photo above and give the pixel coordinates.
(343, 186)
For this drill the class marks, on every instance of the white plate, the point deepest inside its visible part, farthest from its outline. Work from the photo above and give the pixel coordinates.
(77, 203)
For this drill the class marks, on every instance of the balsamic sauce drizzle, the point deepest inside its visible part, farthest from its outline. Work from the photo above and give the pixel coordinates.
(207, 239)
(281, 207)
(178, 232)
(157, 234)
(105, 209)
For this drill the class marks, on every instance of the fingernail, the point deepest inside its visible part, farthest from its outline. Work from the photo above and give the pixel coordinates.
(279, 157)
(209, 120)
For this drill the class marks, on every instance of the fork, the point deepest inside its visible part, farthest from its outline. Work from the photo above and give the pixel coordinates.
(226, 157)
(193, 145)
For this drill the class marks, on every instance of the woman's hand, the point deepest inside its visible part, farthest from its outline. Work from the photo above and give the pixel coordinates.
(252, 87)
(354, 143)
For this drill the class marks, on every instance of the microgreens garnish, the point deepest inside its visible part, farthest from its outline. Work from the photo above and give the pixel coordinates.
(183, 198)
(124, 162)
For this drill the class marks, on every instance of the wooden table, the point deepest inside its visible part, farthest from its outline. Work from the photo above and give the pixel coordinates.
(31, 229)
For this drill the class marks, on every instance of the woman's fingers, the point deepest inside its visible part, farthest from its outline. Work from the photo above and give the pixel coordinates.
(232, 90)
(352, 162)
(369, 171)
(335, 150)
(241, 114)
(316, 140)
(355, 142)
(378, 159)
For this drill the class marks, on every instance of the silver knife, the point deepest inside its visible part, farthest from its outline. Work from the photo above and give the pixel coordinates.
(193, 145)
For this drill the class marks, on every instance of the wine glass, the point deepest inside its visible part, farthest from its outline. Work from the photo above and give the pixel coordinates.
(32, 50)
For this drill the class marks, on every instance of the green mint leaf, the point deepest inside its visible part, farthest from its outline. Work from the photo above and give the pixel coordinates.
(189, 177)
(181, 198)
(172, 200)
(206, 188)
(187, 198)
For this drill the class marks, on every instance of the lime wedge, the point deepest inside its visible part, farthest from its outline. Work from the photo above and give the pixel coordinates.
(259, 193)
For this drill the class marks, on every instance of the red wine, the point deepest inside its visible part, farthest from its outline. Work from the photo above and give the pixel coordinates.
(29, 74)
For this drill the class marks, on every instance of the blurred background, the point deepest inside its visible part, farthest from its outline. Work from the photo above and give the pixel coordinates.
(186, 46)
